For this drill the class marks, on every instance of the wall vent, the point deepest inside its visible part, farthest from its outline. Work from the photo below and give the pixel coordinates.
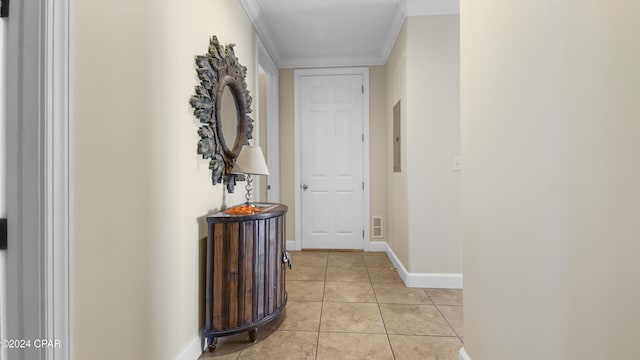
(376, 227)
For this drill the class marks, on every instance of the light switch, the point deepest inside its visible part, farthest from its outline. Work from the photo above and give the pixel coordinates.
(457, 163)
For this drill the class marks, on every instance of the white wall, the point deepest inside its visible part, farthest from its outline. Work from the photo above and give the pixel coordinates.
(141, 190)
(550, 187)
(424, 199)
(432, 140)
(397, 201)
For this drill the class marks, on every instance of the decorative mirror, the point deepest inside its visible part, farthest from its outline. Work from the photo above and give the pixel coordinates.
(222, 105)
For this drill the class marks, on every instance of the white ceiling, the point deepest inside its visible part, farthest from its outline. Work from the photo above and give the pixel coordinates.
(321, 33)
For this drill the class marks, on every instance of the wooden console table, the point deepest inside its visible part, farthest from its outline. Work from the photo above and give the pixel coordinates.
(246, 265)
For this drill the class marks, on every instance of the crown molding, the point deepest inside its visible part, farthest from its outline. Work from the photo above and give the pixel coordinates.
(405, 8)
(331, 61)
(394, 31)
(253, 10)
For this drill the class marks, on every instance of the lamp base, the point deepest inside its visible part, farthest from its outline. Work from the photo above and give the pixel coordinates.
(249, 188)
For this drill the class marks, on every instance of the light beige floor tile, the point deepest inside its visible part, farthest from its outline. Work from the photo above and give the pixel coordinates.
(377, 260)
(282, 345)
(398, 293)
(347, 274)
(228, 347)
(404, 319)
(349, 291)
(346, 259)
(312, 258)
(384, 275)
(298, 316)
(332, 346)
(445, 296)
(453, 315)
(311, 273)
(305, 290)
(425, 347)
(351, 317)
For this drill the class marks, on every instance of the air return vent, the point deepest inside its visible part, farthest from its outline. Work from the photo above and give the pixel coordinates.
(376, 227)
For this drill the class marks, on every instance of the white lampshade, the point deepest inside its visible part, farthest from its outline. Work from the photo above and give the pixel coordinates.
(251, 161)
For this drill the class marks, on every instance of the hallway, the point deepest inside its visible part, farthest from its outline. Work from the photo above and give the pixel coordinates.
(353, 305)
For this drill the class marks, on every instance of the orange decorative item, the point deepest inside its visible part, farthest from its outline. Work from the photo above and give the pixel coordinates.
(242, 210)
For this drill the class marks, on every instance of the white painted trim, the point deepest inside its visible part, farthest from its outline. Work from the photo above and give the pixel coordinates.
(331, 61)
(463, 355)
(192, 351)
(273, 119)
(377, 246)
(3, 121)
(253, 10)
(58, 184)
(436, 280)
(40, 168)
(3, 185)
(424, 280)
(293, 245)
(394, 31)
(364, 72)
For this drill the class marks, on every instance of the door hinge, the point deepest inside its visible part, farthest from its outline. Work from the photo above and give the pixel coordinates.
(363, 234)
(3, 234)
(362, 137)
(363, 185)
(363, 89)
(4, 8)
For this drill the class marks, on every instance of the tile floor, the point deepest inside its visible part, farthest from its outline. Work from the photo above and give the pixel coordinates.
(353, 305)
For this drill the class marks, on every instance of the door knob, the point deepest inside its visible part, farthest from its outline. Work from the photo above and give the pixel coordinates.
(305, 187)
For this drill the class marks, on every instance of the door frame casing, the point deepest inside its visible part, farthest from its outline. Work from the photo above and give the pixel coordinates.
(39, 177)
(297, 118)
(265, 61)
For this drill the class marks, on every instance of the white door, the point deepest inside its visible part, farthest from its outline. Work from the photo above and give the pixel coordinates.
(331, 167)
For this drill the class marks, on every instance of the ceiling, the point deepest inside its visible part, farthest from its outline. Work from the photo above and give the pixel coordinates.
(323, 33)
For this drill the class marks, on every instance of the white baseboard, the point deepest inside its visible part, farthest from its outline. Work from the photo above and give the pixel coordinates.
(377, 246)
(463, 355)
(192, 351)
(424, 280)
(293, 245)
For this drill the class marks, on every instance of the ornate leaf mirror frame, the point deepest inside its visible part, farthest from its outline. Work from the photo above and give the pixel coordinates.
(225, 128)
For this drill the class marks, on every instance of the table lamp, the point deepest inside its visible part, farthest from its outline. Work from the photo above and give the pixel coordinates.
(251, 162)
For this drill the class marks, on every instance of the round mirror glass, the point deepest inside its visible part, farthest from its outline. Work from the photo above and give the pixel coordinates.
(229, 118)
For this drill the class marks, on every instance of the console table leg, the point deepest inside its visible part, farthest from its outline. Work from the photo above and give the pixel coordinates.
(213, 342)
(253, 335)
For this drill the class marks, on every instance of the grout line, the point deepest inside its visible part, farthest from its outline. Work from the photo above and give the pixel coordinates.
(324, 289)
(447, 321)
(386, 332)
